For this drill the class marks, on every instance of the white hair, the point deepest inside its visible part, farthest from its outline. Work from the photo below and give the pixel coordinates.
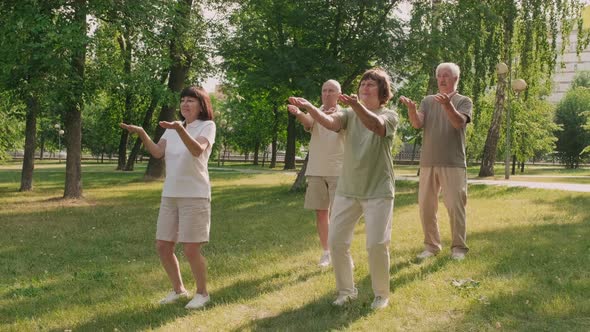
(335, 84)
(455, 70)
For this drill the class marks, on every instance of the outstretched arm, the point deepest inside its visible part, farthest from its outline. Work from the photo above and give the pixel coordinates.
(196, 146)
(156, 150)
(373, 122)
(328, 121)
(305, 119)
(416, 118)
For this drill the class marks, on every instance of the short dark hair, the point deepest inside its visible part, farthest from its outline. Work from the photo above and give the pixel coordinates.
(383, 80)
(203, 98)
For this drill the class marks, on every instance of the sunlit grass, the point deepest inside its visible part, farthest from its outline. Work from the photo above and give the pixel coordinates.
(91, 265)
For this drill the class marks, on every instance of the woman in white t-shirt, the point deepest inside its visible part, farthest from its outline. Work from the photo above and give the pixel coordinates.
(185, 209)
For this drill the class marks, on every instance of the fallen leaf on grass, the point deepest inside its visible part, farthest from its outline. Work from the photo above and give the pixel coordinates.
(465, 283)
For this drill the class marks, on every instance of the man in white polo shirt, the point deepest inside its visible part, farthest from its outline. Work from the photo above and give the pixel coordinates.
(326, 150)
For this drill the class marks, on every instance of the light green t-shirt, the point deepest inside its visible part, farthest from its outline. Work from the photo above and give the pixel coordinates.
(367, 171)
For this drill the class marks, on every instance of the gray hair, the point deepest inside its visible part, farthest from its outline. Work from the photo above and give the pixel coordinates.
(335, 83)
(455, 70)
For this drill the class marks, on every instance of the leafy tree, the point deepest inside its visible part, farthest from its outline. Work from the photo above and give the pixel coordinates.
(533, 129)
(184, 31)
(11, 125)
(587, 127)
(477, 35)
(128, 63)
(270, 47)
(570, 115)
(529, 31)
(250, 122)
(127, 68)
(582, 79)
(27, 37)
(99, 134)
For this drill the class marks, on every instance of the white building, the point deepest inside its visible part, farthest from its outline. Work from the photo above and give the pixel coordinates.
(564, 76)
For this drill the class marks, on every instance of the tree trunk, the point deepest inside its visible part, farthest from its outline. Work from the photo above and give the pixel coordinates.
(124, 139)
(124, 41)
(73, 116)
(291, 143)
(513, 164)
(180, 64)
(489, 151)
(256, 151)
(26, 180)
(42, 147)
(275, 133)
(146, 124)
(299, 184)
(522, 167)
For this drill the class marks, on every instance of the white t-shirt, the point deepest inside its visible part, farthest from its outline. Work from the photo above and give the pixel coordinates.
(187, 175)
(326, 150)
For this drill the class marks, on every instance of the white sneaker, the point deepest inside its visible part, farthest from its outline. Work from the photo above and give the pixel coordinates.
(458, 256)
(425, 254)
(344, 299)
(379, 303)
(325, 259)
(173, 297)
(197, 302)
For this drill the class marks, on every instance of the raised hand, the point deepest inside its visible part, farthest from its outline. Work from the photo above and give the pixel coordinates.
(300, 102)
(410, 104)
(293, 109)
(347, 100)
(445, 98)
(131, 128)
(171, 125)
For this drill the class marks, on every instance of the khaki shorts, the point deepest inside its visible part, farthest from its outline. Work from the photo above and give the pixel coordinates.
(184, 219)
(320, 192)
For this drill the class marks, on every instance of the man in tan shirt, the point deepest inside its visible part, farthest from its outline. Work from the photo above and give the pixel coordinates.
(444, 117)
(326, 149)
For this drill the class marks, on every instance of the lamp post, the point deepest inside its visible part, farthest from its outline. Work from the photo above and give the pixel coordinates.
(518, 86)
(60, 133)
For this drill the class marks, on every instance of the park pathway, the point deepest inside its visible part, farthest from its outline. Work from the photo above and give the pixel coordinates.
(507, 183)
(528, 184)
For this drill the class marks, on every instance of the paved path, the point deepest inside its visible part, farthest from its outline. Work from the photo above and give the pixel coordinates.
(528, 184)
(537, 185)
(508, 183)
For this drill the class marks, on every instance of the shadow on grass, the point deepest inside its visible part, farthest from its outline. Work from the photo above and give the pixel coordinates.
(247, 289)
(134, 319)
(319, 315)
(545, 269)
(106, 250)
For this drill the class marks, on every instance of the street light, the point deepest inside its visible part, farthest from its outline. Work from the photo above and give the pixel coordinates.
(518, 86)
(60, 133)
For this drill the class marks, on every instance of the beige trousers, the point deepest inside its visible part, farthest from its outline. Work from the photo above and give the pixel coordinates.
(452, 181)
(345, 214)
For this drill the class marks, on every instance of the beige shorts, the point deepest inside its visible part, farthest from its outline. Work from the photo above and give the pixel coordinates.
(184, 219)
(320, 192)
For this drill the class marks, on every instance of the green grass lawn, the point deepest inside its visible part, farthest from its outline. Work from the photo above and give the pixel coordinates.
(91, 265)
